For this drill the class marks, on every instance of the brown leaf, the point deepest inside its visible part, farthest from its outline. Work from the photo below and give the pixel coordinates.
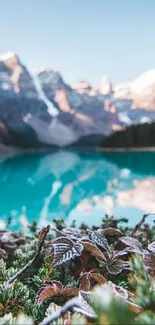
(134, 308)
(55, 288)
(45, 293)
(119, 253)
(43, 232)
(84, 281)
(111, 232)
(52, 288)
(94, 250)
(133, 244)
(98, 278)
(117, 266)
(70, 291)
(149, 260)
(86, 278)
(58, 284)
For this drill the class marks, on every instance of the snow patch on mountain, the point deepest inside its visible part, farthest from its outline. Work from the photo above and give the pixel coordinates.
(50, 107)
(54, 133)
(6, 56)
(142, 84)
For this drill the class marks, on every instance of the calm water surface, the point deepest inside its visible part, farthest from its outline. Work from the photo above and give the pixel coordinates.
(76, 185)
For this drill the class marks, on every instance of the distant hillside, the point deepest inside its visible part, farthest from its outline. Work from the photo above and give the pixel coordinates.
(142, 135)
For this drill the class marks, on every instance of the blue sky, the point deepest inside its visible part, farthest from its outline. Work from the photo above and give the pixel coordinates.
(82, 38)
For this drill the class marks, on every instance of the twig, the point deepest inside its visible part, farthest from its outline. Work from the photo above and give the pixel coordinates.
(67, 306)
(29, 264)
(146, 235)
(58, 231)
(139, 224)
(8, 222)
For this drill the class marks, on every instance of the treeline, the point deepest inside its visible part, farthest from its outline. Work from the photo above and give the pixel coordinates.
(141, 135)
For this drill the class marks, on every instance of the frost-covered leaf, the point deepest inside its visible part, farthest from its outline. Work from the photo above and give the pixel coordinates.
(45, 293)
(94, 250)
(87, 278)
(84, 281)
(119, 291)
(149, 260)
(117, 266)
(52, 288)
(71, 230)
(59, 240)
(100, 239)
(58, 284)
(151, 247)
(111, 232)
(64, 249)
(3, 254)
(125, 294)
(55, 288)
(74, 233)
(133, 244)
(85, 305)
(119, 253)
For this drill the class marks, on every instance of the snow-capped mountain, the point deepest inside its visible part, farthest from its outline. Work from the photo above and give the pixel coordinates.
(42, 110)
(141, 91)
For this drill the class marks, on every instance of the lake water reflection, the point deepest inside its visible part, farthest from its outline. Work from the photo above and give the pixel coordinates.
(76, 185)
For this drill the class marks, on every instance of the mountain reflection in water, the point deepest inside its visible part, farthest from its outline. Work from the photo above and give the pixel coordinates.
(76, 185)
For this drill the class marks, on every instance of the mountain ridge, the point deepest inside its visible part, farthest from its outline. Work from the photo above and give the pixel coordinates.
(43, 106)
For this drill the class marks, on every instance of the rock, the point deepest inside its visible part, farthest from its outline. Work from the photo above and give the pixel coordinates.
(15, 77)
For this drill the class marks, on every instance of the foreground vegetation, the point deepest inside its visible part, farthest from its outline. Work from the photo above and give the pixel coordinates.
(66, 276)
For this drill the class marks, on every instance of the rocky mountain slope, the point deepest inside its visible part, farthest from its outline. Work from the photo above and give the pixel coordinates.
(42, 110)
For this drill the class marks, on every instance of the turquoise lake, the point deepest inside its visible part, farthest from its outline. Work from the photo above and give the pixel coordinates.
(76, 185)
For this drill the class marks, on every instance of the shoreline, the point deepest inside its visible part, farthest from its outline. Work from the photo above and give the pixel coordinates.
(8, 152)
(131, 149)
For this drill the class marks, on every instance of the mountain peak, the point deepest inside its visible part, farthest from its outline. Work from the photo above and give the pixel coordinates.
(5, 56)
(47, 70)
(143, 82)
(105, 87)
(82, 86)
